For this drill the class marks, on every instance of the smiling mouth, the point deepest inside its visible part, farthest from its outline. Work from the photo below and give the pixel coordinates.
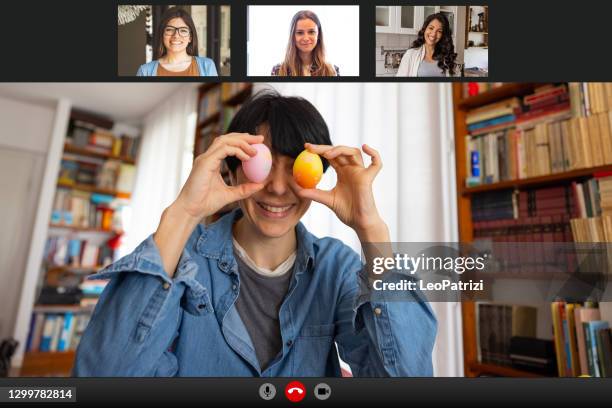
(274, 211)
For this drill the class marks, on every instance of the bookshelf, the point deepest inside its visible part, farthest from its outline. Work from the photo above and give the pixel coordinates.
(70, 148)
(47, 364)
(550, 179)
(217, 104)
(92, 191)
(491, 94)
(477, 26)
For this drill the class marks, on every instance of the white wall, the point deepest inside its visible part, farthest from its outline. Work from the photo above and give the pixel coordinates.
(24, 141)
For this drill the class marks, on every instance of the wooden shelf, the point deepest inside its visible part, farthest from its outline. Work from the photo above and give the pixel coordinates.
(62, 309)
(210, 119)
(75, 269)
(503, 371)
(208, 86)
(478, 32)
(47, 364)
(84, 229)
(68, 148)
(466, 234)
(496, 94)
(239, 97)
(536, 181)
(93, 189)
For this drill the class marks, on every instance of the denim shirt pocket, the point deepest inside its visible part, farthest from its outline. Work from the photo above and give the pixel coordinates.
(318, 330)
(314, 340)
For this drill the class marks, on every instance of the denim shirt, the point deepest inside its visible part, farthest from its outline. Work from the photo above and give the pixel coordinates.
(206, 67)
(147, 324)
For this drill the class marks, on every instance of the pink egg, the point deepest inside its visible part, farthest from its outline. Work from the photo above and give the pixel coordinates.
(258, 167)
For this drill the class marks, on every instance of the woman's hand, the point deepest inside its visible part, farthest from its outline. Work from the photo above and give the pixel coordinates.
(205, 192)
(351, 199)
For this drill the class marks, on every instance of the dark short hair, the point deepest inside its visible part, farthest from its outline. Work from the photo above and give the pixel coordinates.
(291, 120)
(174, 12)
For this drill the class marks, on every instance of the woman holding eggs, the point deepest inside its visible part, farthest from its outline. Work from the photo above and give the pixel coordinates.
(176, 48)
(255, 293)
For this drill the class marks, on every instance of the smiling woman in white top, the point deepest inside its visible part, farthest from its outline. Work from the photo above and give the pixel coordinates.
(176, 48)
(432, 54)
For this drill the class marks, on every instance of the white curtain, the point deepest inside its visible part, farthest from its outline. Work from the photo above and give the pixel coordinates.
(411, 126)
(163, 163)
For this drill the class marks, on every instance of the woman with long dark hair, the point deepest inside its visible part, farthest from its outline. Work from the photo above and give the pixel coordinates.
(176, 48)
(432, 54)
(305, 55)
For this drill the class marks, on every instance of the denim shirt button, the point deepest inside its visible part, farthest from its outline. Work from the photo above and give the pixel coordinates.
(234, 287)
(166, 286)
(378, 311)
(202, 306)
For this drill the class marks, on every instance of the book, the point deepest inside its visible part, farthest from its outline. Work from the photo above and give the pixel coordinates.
(58, 325)
(47, 333)
(604, 349)
(37, 331)
(583, 315)
(545, 93)
(557, 312)
(126, 178)
(66, 332)
(544, 147)
(591, 328)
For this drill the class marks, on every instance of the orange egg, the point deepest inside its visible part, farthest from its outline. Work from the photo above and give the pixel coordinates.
(307, 169)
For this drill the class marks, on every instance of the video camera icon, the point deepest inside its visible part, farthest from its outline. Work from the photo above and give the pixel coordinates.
(322, 391)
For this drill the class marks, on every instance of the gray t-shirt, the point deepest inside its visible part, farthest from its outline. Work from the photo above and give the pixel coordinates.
(429, 69)
(258, 305)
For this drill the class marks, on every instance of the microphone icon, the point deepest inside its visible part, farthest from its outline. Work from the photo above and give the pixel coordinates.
(267, 391)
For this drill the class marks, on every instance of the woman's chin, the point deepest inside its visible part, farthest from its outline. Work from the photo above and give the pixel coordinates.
(273, 230)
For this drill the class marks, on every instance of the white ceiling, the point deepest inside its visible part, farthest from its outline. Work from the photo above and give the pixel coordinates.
(125, 102)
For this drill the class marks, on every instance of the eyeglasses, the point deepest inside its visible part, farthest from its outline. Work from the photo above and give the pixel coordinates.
(183, 31)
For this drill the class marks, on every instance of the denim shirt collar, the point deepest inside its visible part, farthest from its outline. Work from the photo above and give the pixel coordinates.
(215, 242)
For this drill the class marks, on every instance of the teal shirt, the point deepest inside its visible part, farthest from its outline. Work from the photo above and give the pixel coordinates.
(205, 65)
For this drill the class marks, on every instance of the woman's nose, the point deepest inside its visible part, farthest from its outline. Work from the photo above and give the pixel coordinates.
(278, 182)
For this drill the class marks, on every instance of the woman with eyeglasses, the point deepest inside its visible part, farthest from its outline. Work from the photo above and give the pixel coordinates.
(305, 55)
(176, 48)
